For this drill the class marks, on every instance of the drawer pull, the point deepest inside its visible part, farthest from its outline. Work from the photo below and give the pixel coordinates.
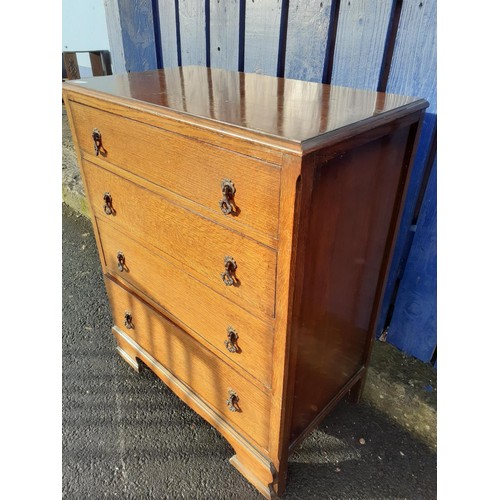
(232, 338)
(228, 275)
(227, 202)
(108, 204)
(120, 257)
(232, 401)
(96, 137)
(128, 320)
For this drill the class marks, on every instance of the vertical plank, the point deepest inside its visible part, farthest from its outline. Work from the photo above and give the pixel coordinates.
(192, 32)
(307, 37)
(412, 72)
(96, 63)
(406, 234)
(106, 62)
(115, 36)
(168, 30)
(413, 325)
(360, 40)
(224, 34)
(155, 11)
(136, 20)
(71, 65)
(413, 67)
(262, 31)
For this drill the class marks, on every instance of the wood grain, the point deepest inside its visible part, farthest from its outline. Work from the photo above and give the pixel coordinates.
(262, 31)
(250, 460)
(405, 234)
(168, 29)
(196, 367)
(173, 290)
(189, 168)
(198, 245)
(329, 109)
(360, 42)
(413, 326)
(112, 10)
(295, 195)
(307, 36)
(192, 26)
(224, 34)
(204, 130)
(136, 20)
(343, 264)
(71, 65)
(414, 63)
(307, 304)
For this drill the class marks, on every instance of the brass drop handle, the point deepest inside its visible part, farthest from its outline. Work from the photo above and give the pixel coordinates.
(120, 257)
(228, 275)
(128, 320)
(108, 204)
(232, 400)
(96, 137)
(228, 191)
(231, 342)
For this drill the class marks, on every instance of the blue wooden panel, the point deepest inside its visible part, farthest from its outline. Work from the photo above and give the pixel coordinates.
(307, 37)
(413, 67)
(136, 20)
(405, 235)
(224, 34)
(168, 30)
(262, 32)
(412, 72)
(115, 36)
(413, 325)
(192, 20)
(360, 41)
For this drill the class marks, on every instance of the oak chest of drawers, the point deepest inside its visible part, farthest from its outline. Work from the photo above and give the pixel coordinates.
(245, 225)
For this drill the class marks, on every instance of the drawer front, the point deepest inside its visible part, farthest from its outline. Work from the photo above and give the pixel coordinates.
(200, 245)
(192, 303)
(193, 169)
(204, 373)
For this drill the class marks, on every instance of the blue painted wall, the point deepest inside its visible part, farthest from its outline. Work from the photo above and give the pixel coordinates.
(388, 45)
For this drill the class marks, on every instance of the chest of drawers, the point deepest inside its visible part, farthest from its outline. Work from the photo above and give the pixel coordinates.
(245, 225)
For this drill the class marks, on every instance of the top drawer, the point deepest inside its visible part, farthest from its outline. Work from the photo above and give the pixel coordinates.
(192, 169)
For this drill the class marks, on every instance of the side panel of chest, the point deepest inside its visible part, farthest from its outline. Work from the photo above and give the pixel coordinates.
(353, 211)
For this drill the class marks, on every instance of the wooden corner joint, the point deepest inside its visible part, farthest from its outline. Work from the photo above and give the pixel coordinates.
(258, 470)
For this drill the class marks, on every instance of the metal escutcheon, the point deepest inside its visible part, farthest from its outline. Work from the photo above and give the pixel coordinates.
(120, 257)
(96, 137)
(232, 400)
(228, 275)
(128, 320)
(232, 338)
(228, 191)
(108, 204)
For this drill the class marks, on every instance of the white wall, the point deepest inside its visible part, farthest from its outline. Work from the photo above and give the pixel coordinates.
(84, 28)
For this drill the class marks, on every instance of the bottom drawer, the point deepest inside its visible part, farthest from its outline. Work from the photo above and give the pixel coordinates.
(208, 376)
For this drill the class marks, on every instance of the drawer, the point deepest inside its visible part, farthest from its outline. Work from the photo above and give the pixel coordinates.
(204, 373)
(190, 168)
(203, 247)
(195, 305)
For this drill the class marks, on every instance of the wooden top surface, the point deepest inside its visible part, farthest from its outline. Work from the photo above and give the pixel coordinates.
(289, 110)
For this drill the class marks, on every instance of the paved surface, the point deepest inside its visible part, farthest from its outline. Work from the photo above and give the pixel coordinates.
(126, 436)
